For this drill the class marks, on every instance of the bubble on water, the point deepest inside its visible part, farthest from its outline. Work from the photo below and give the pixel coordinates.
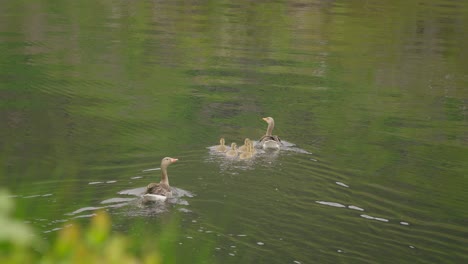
(342, 184)
(330, 204)
(374, 218)
(52, 230)
(153, 169)
(184, 210)
(182, 202)
(381, 219)
(355, 208)
(260, 243)
(367, 216)
(32, 196)
(404, 223)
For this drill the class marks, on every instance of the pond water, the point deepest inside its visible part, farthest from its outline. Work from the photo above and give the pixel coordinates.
(371, 97)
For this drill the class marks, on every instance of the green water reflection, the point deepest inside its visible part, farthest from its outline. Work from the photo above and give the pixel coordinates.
(92, 94)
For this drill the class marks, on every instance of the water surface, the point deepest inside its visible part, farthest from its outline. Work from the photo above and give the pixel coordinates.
(372, 94)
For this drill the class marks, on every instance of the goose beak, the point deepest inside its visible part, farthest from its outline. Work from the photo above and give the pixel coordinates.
(174, 160)
(265, 119)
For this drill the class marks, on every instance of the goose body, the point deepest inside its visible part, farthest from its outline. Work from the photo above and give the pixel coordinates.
(161, 190)
(154, 197)
(269, 141)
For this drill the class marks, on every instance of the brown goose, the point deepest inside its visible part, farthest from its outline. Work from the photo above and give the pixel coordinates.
(161, 190)
(221, 147)
(269, 141)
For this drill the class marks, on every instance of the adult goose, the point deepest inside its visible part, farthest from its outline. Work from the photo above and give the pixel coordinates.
(162, 190)
(269, 141)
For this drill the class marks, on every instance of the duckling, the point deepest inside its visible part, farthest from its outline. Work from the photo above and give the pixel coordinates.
(244, 147)
(221, 147)
(249, 153)
(233, 151)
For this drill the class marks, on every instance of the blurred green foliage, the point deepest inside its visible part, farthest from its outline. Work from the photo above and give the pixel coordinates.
(20, 244)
